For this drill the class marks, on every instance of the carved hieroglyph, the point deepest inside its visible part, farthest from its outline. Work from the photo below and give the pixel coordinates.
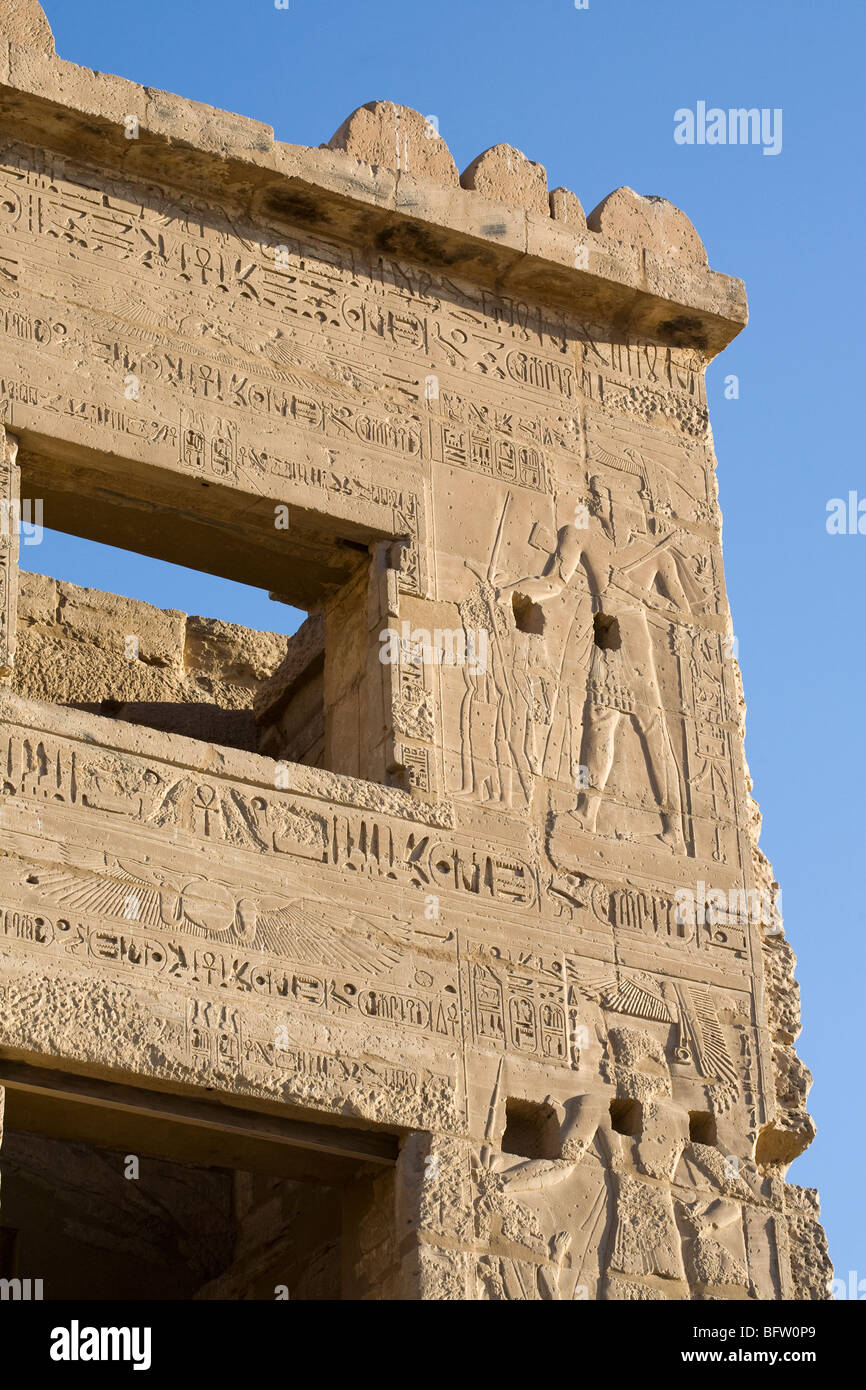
(473, 857)
(10, 513)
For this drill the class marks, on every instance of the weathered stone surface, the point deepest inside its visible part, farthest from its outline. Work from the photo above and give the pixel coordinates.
(130, 661)
(505, 175)
(10, 503)
(565, 206)
(24, 22)
(651, 223)
(398, 138)
(463, 879)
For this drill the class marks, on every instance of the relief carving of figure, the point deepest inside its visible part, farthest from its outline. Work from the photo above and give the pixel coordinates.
(633, 573)
(626, 579)
(630, 1207)
(562, 682)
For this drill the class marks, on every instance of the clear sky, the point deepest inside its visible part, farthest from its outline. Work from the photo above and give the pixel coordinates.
(591, 94)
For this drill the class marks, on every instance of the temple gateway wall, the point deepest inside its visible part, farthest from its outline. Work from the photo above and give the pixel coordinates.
(460, 885)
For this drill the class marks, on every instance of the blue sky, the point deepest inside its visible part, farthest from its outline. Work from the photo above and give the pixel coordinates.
(591, 94)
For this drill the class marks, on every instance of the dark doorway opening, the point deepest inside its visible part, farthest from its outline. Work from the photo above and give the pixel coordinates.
(113, 1193)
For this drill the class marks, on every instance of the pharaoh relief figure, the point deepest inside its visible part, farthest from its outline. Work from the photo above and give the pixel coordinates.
(713, 1197)
(636, 572)
(679, 1205)
(507, 707)
(636, 577)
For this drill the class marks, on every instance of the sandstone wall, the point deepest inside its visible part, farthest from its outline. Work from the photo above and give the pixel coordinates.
(483, 885)
(129, 660)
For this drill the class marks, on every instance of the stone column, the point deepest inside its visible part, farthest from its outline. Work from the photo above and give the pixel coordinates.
(10, 516)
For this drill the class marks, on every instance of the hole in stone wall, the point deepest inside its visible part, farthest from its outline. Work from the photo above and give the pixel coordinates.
(531, 1130)
(606, 632)
(528, 616)
(702, 1127)
(626, 1116)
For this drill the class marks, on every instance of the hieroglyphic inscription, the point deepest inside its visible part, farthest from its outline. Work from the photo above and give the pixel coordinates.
(168, 800)
(302, 987)
(10, 513)
(263, 319)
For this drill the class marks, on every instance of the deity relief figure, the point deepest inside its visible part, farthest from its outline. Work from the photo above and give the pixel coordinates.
(491, 761)
(507, 708)
(562, 682)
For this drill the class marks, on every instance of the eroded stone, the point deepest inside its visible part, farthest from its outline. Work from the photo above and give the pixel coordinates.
(398, 138)
(652, 223)
(504, 175)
